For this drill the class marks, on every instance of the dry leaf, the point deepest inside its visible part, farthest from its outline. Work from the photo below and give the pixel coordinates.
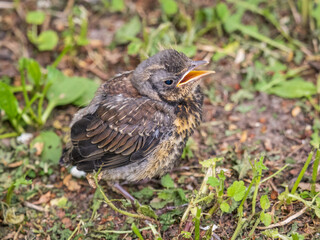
(44, 198)
(307, 186)
(15, 164)
(268, 144)
(67, 222)
(295, 112)
(72, 185)
(39, 147)
(244, 136)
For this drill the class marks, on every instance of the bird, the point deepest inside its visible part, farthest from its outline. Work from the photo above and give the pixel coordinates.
(139, 121)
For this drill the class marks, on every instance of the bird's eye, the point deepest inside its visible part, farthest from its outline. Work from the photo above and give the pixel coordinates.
(168, 82)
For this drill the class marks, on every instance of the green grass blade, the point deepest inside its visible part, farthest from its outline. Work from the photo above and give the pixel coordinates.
(254, 34)
(197, 224)
(136, 231)
(296, 184)
(315, 172)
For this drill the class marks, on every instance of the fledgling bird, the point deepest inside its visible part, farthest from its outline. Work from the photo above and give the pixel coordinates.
(138, 123)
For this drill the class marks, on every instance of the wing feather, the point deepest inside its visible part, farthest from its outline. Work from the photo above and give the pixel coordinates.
(119, 132)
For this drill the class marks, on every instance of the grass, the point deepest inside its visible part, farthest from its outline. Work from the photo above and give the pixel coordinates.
(269, 45)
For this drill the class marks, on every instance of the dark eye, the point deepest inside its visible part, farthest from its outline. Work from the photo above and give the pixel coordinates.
(168, 82)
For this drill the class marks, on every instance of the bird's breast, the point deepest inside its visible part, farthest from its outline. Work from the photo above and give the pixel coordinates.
(188, 117)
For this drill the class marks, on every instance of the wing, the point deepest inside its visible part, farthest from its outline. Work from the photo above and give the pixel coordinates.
(120, 131)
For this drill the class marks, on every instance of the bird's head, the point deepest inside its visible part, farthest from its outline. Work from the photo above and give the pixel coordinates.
(168, 75)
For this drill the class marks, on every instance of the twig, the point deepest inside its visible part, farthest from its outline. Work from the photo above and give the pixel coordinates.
(285, 222)
(33, 206)
(169, 208)
(16, 235)
(295, 14)
(122, 232)
(74, 231)
(6, 5)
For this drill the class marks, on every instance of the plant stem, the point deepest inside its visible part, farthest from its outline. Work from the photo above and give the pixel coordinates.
(9, 135)
(155, 232)
(254, 227)
(122, 232)
(47, 112)
(197, 224)
(305, 12)
(75, 230)
(203, 190)
(255, 194)
(114, 207)
(238, 229)
(212, 210)
(296, 184)
(15, 89)
(25, 95)
(65, 50)
(315, 172)
(16, 125)
(40, 103)
(273, 175)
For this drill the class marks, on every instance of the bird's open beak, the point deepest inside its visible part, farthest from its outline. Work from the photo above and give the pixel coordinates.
(192, 75)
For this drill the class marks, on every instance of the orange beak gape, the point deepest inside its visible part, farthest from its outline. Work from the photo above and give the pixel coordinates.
(192, 75)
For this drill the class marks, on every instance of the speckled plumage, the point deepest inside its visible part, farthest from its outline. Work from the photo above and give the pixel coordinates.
(136, 126)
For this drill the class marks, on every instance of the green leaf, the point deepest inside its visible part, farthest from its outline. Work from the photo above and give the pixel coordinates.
(134, 47)
(147, 211)
(117, 5)
(221, 175)
(210, 162)
(295, 88)
(222, 11)
(317, 211)
(182, 194)
(259, 166)
(47, 40)
(189, 51)
(315, 13)
(8, 102)
(35, 17)
(237, 190)
(170, 7)
(244, 108)
(22, 181)
(297, 236)
(34, 71)
(60, 202)
(242, 94)
(128, 31)
(166, 181)
(213, 181)
(64, 90)
(90, 89)
(136, 231)
(52, 148)
(224, 206)
(264, 202)
(265, 218)
(145, 193)
(315, 139)
(157, 203)
(185, 234)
